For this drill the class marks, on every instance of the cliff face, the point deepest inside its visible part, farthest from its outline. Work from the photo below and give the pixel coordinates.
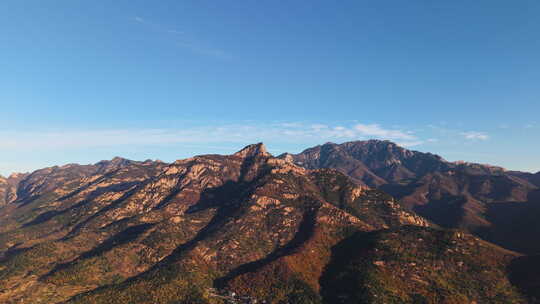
(9, 186)
(237, 228)
(486, 200)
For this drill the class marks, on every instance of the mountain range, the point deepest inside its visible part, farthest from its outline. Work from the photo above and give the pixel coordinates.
(359, 222)
(498, 205)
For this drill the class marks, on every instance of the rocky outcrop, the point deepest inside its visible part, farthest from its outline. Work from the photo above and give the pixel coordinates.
(9, 186)
(486, 200)
(246, 226)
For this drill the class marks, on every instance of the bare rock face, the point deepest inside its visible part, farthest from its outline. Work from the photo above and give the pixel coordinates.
(4, 190)
(8, 187)
(493, 203)
(253, 151)
(212, 228)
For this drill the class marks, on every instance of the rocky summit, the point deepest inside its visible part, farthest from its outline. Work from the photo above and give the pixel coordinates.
(495, 204)
(317, 227)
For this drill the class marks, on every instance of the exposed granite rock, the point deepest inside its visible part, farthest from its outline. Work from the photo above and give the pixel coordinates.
(248, 224)
(486, 200)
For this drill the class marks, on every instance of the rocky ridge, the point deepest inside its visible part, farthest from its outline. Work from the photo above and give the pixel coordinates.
(261, 227)
(493, 203)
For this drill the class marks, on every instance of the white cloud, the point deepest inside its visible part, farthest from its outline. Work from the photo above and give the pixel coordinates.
(209, 139)
(456, 136)
(290, 132)
(377, 131)
(319, 127)
(408, 144)
(473, 135)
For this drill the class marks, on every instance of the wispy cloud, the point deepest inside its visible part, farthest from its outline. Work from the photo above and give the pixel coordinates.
(290, 132)
(473, 135)
(456, 136)
(378, 131)
(182, 40)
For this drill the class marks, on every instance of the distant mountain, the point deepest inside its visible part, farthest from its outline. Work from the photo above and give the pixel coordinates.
(239, 228)
(498, 205)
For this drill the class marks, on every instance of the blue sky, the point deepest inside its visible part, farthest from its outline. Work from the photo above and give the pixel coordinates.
(82, 81)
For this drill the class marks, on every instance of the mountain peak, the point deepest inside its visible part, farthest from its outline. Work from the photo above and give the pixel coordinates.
(145, 232)
(116, 161)
(17, 175)
(252, 151)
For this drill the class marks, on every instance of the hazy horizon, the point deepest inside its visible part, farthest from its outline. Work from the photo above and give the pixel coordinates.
(83, 82)
(231, 150)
